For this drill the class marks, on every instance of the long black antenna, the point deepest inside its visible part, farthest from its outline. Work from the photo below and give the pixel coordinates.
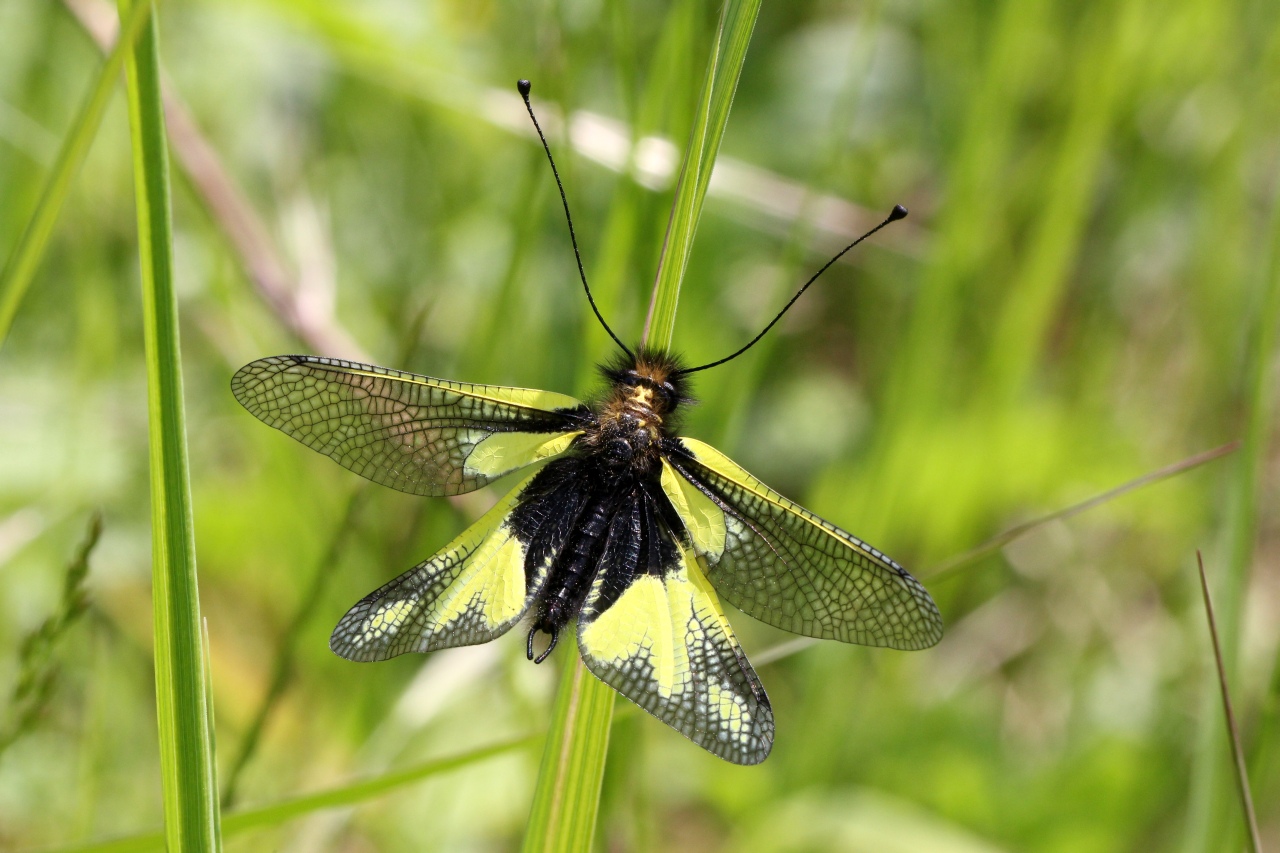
(525, 86)
(898, 212)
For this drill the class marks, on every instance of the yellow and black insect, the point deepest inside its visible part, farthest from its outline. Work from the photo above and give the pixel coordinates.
(616, 523)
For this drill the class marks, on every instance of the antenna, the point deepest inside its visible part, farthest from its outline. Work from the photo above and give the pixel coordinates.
(525, 87)
(898, 212)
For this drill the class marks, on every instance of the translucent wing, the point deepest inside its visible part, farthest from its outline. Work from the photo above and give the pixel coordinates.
(780, 563)
(652, 629)
(470, 592)
(413, 433)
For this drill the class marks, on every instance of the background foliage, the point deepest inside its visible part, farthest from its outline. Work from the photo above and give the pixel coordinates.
(1084, 293)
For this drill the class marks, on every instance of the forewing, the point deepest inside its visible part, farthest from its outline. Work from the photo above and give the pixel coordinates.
(413, 433)
(785, 566)
(470, 592)
(653, 629)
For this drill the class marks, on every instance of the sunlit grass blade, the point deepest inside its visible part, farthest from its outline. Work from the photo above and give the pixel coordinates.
(182, 701)
(728, 53)
(567, 796)
(341, 796)
(1233, 732)
(27, 254)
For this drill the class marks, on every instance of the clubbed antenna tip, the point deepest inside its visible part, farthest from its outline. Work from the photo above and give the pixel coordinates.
(898, 212)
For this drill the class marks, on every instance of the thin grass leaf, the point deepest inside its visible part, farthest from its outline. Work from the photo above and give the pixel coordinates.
(949, 567)
(186, 737)
(1233, 732)
(728, 53)
(25, 260)
(567, 797)
(342, 796)
(953, 566)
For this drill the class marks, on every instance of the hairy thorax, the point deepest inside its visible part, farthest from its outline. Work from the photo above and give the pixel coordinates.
(636, 413)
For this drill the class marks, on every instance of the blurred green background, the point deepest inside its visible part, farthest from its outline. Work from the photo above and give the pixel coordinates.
(1083, 294)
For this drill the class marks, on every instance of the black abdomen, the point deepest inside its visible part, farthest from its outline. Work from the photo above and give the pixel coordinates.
(564, 520)
(575, 566)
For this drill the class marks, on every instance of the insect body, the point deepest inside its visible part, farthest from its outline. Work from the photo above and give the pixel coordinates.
(616, 524)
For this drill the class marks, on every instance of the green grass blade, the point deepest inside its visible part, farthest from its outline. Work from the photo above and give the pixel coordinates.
(342, 796)
(567, 798)
(25, 260)
(737, 20)
(182, 700)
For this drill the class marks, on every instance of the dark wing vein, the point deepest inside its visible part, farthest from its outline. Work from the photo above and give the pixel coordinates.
(412, 433)
(791, 569)
(652, 628)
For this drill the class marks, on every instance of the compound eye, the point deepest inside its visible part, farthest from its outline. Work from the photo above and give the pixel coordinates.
(631, 378)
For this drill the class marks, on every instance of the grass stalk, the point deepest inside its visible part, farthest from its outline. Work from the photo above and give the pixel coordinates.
(340, 796)
(182, 700)
(567, 797)
(724, 68)
(1233, 731)
(949, 567)
(21, 267)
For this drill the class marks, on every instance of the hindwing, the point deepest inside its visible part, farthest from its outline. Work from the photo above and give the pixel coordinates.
(780, 563)
(420, 435)
(470, 592)
(652, 628)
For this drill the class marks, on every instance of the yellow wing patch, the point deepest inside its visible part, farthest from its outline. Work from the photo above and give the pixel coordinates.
(410, 432)
(503, 452)
(702, 518)
(665, 644)
(791, 569)
(470, 592)
(726, 467)
(643, 623)
(490, 589)
(529, 398)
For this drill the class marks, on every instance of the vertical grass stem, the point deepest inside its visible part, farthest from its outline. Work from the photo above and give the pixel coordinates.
(567, 798)
(182, 697)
